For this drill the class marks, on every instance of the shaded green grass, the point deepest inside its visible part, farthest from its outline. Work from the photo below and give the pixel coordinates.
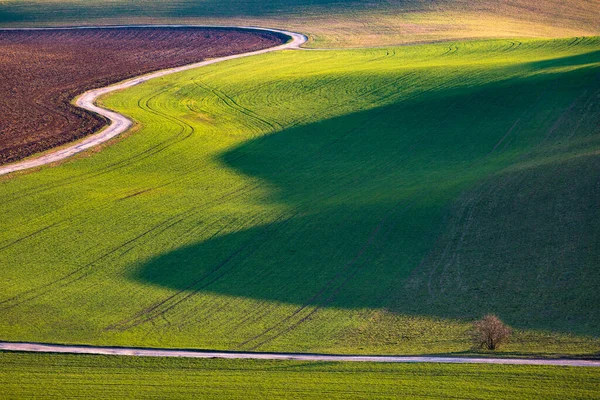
(67, 376)
(366, 201)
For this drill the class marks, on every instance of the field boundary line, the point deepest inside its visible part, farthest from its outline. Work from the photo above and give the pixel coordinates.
(181, 353)
(119, 123)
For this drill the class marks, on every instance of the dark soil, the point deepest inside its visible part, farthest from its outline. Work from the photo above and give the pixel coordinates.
(42, 71)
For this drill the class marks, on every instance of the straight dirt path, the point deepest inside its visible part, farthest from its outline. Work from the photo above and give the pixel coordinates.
(120, 123)
(147, 352)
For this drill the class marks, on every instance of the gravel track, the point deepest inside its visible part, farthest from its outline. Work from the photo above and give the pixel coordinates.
(147, 352)
(119, 123)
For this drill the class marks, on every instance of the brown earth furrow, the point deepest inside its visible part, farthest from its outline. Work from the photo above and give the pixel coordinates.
(43, 70)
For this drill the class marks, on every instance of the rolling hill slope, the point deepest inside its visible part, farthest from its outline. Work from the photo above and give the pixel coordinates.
(360, 201)
(333, 23)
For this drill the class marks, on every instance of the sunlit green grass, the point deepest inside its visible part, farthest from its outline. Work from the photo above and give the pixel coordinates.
(67, 376)
(366, 201)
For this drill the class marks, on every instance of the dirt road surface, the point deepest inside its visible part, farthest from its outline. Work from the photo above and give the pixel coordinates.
(147, 352)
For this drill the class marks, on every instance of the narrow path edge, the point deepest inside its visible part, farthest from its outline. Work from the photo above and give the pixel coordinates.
(187, 353)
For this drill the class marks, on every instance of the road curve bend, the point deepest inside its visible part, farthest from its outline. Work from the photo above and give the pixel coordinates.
(120, 123)
(148, 352)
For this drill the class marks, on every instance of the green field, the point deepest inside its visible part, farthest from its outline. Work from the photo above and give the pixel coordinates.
(358, 201)
(125, 377)
(331, 23)
(366, 201)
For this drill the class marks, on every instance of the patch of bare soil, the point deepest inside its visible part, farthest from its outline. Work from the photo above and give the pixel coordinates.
(42, 71)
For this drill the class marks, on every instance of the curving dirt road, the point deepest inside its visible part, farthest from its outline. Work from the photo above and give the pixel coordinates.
(119, 123)
(147, 352)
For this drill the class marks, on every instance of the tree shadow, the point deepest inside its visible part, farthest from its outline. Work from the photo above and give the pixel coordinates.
(377, 203)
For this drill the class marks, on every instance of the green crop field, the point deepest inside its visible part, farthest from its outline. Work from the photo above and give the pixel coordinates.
(373, 200)
(66, 376)
(331, 23)
(357, 201)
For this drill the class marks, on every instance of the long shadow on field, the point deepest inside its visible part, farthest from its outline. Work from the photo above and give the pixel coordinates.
(480, 200)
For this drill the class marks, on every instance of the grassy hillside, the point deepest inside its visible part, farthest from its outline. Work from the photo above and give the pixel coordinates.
(89, 377)
(364, 201)
(333, 23)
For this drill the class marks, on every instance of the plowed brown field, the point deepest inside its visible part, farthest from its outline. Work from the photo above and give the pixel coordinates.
(42, 71)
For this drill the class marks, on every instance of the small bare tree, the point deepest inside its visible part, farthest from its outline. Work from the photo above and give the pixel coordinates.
(489, 333)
